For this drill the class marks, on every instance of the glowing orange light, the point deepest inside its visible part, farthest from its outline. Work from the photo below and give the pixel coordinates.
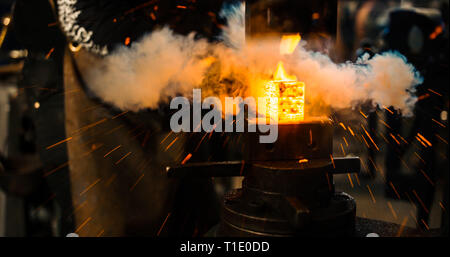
(289, 43)
(315, 16)
(286, 97)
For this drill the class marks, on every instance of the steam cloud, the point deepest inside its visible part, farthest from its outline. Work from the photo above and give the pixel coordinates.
(162, 65)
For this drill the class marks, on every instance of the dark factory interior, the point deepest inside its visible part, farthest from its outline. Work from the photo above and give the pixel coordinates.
(88, 147)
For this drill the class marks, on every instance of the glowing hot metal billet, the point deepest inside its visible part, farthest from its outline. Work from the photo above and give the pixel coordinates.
(286, 97)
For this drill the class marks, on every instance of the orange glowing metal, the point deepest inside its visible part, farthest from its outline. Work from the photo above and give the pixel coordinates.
(330, 187)
(427, 177)
(345, 141)
(281, 75)
(120, 114)
(83, 129)
(79, 206)
(402, 227)
(384, 138)
(395, 139)
(83, 224)
(108, 153)
(350, 180)
(351, 131)
(368, 135)
(289, 43)
(365, 141)
(422, 139)
(123, 157)
(315, 16)
(170, 133)
(357, 179)
(303, 161)
(60, 142)
(442, 205)
(387, 109)
(111, 179)
(395, 190)
(365, 116)
(286, 97)
(406, 142)
(186, 159)
(101, 233)
(56, 169)
(371, 194)
(137, 181)
(90, 186)
(49, 53)
(394, 214)
(343, 151)
(443, 140)
(425, 223)
(285, 94)
(437, 122)
(420, 201)
(420, 158)
(167, 148)
(164, 223)
(385, 124)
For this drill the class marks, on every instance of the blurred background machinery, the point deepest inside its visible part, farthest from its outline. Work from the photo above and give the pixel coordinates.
(403, 168)
(27, 204)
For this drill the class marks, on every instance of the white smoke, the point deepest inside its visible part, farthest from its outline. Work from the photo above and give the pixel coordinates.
(386, 79)
(234, 33)
(163, 64)
(160, 65)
